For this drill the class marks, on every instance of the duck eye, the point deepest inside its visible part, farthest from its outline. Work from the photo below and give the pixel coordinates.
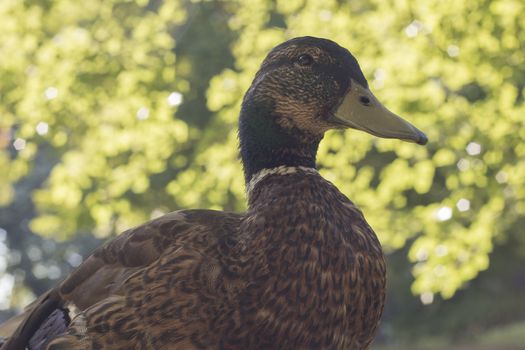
(364, 100)
(305, 60)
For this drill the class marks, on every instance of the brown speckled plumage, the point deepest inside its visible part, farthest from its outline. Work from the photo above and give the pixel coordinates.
(301, 269)
(324, 273)
(313, 278)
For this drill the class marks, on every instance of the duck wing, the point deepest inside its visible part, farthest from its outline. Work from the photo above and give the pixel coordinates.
(143, 289)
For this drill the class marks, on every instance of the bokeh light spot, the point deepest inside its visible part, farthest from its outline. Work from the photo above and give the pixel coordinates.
(175, 99)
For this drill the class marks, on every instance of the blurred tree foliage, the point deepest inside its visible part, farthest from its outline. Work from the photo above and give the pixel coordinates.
(92, 82)
(98, 86)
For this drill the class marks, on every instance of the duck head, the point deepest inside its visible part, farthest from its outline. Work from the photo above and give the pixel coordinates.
(306, 86)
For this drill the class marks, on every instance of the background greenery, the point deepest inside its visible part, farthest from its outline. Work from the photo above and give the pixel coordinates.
(114, 112)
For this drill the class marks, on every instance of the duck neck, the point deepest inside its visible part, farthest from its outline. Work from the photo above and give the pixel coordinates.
(264, 144)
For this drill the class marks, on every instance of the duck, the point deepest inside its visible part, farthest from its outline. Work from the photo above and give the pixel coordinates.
(300, 269)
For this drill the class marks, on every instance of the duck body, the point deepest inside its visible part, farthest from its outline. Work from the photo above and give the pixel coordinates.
(301, 269)
(263, 280)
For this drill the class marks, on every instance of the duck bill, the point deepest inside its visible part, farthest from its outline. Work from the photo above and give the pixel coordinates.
(361, 110)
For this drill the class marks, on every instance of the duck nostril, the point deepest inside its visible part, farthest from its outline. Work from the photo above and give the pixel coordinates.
(364, 100)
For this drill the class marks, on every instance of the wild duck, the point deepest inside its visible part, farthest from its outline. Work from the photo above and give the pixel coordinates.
(301, 269)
